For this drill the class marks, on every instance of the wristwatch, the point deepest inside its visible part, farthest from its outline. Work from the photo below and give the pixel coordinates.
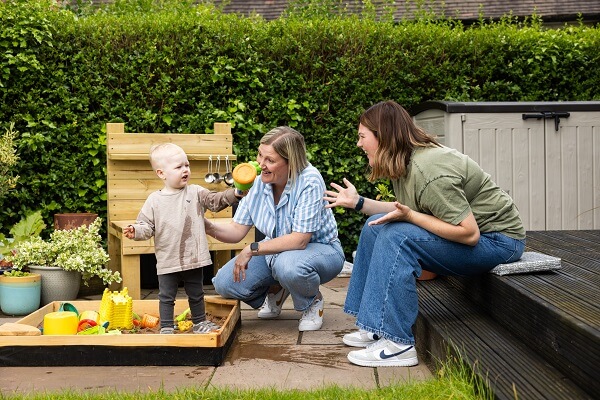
(254, 247)
(360, 203)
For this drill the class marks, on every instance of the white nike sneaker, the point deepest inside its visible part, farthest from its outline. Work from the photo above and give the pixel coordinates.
(271, 308)
(312, 317)
(360, 338)
(385, 353)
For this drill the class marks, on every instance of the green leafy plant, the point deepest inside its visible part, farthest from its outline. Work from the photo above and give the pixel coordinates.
(29, 226)
(78, 249)
(8, 160)
(15, 273)
(384, 192)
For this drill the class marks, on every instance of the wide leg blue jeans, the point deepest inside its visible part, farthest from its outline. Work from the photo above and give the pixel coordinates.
(382, 293)
(299, 271)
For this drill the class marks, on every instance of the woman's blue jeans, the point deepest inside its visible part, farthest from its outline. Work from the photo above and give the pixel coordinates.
(382, 293)
(299, 271)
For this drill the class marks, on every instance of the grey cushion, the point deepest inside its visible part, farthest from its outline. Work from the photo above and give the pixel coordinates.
(530, 262)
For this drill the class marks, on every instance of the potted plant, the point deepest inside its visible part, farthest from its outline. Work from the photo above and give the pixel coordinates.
(20, 292)
(74, 255)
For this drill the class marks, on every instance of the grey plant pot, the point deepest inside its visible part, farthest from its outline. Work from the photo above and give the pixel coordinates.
(57, 284)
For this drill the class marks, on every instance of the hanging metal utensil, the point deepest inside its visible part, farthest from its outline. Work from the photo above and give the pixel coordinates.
(209, 177)
(228, 178)
(217, 175)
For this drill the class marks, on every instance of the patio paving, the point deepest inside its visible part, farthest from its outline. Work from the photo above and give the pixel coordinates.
(264, 354)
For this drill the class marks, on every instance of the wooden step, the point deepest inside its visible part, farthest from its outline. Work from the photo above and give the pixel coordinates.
(449, 324)
(557, 314)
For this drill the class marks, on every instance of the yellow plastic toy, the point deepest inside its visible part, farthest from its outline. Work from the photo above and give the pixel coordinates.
(116, 308)
(185, 326)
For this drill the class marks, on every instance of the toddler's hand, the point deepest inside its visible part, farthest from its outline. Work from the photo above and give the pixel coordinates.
(129, 232)
(241, 193)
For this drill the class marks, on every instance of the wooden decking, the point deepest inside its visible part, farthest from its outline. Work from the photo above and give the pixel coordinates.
(529, 336)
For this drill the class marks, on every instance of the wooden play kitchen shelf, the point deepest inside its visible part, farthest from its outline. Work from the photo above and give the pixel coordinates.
(21, 349)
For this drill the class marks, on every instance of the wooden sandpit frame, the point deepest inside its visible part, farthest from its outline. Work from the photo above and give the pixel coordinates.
(126, 349)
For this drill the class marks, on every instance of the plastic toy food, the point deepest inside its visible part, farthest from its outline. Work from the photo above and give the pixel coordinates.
(184, 326)
(244, 175)
(86, 324)
(149, 321)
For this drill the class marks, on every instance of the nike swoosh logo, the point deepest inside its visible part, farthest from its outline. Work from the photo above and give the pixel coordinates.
(384, 356)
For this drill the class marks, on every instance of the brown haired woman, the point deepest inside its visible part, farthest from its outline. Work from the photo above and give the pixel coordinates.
(449, 218)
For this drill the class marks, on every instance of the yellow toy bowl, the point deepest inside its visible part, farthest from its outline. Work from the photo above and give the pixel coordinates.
(60, 323)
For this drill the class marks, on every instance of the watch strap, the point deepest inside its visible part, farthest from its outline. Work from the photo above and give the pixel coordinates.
(360, 203)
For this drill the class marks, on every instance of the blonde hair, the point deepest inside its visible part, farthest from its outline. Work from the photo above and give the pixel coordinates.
(289, 144)
(398, 137)
(159, 151)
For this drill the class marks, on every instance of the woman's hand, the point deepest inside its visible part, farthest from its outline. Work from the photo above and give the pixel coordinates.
(344, 197)
(400, 213)
(241, 264)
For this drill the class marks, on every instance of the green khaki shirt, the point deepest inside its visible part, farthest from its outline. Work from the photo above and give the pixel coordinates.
(449, 185)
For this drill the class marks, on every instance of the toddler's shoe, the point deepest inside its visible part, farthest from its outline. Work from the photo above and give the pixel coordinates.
(205, 327)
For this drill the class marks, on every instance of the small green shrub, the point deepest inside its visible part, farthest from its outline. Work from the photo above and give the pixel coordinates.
(8, 160)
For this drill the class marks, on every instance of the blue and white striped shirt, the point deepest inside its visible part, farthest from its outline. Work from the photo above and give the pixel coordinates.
(300, 209)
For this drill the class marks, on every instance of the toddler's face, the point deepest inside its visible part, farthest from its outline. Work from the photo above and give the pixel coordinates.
(175, 169)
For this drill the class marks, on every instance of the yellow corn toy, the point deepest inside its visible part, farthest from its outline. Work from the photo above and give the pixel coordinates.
(185, 325)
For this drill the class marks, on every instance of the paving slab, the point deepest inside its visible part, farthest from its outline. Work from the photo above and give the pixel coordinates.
(142, 379)
(300, 367)
(264, 354)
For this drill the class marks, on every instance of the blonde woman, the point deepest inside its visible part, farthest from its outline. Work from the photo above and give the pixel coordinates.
(301, 249)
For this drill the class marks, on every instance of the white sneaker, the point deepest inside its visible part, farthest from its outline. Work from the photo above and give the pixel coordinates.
(360, 338)
(271, 308)
(385, 353)
(312, 317)
(346, 269)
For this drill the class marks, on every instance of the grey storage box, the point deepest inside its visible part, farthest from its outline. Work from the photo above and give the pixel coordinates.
(546, 155)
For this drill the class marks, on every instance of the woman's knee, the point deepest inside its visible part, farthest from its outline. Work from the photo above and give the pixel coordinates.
(222, 281)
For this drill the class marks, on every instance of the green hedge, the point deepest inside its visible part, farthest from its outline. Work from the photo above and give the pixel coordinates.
(169, 66)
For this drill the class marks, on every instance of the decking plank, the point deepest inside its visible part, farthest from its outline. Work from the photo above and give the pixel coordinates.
(567, 342)
(586, 268)
(566, 241)
(558, 312)
(496, 353)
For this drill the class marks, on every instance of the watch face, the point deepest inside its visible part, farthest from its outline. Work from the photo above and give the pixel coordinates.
(254, 246)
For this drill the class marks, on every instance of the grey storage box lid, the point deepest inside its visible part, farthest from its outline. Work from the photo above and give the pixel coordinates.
(506, 106)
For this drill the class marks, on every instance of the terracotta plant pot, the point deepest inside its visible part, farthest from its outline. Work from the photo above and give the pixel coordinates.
(73, 220)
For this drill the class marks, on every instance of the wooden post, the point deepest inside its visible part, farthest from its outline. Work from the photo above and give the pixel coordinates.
(222, 128)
